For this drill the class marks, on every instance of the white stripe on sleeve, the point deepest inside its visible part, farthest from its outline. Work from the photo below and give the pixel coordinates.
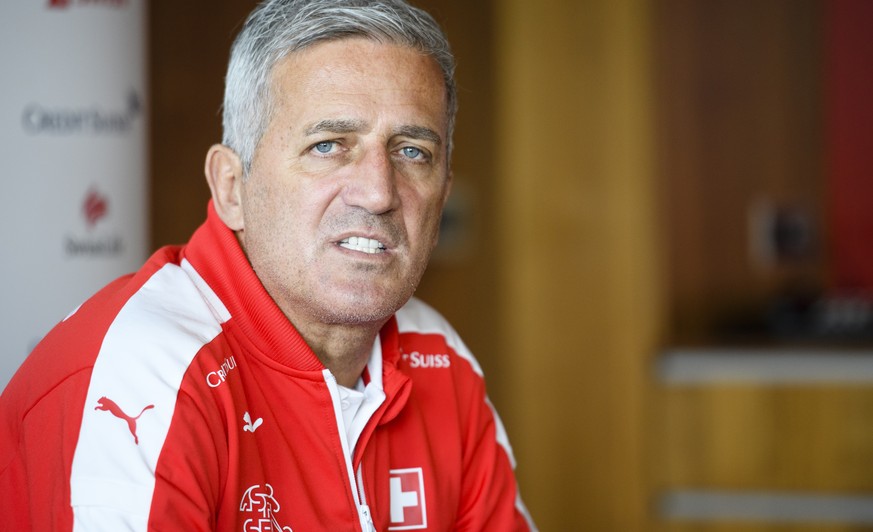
(137, 375)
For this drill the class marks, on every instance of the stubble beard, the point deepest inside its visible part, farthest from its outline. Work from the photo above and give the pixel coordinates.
(375, 305)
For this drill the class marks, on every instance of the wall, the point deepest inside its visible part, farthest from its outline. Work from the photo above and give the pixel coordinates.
(740, 138)
(189, 46)
(849, 155)
(580, 267)
(777, 427)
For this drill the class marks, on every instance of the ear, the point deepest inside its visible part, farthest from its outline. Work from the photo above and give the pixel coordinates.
(224, 174)
(448, 187)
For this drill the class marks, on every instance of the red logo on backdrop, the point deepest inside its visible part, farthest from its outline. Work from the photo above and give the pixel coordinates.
(95, 207)
(106, 3)
(408, 511)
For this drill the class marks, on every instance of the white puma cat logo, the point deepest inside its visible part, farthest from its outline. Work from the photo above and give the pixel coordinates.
(249, 426)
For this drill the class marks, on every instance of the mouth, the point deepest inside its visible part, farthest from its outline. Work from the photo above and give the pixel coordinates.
(362, 244)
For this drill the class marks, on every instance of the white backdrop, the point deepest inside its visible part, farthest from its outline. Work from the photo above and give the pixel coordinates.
(73, 146)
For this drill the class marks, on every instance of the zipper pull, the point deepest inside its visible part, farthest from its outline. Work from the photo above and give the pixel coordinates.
(365, 512)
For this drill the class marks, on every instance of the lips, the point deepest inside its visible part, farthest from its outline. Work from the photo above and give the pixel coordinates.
(362, 244)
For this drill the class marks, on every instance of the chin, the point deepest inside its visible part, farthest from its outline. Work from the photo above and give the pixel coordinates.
(361, 310)
(358, 315)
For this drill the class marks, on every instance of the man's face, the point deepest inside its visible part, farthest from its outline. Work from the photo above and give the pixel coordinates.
(341, 208)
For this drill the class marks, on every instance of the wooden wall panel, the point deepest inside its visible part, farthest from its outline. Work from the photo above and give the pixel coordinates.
(739, 128)
(579, 254)
(756, 437)
(849, 69)
(758, 527)
(740, 119)
(752, 439)
(189, 43)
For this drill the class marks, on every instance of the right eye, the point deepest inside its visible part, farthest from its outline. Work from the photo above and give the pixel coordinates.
(325, 146)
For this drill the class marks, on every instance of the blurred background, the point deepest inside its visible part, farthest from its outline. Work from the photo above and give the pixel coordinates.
(660, 245)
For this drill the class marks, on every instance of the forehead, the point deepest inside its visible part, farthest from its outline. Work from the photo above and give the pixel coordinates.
(354, 73)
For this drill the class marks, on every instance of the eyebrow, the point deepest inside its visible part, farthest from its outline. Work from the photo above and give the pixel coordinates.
(420, 133)
(349, 125)
(335, 125)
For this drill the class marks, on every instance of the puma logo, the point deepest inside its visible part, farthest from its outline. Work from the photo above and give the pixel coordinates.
(104, 403)
(251, 426)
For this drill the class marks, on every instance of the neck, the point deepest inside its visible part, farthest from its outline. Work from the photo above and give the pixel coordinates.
(343, 349)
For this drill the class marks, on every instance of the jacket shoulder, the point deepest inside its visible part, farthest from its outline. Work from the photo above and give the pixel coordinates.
(417, 317)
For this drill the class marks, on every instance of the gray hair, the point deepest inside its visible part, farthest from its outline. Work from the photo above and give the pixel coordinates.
(277, 28)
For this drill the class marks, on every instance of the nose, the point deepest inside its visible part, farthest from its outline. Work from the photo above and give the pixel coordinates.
(372, 185)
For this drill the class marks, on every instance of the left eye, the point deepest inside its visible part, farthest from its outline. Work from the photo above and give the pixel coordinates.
(324, 147)
(411, 152)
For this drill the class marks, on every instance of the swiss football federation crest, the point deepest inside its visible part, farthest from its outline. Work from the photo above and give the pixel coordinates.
(408, 510)
(261, 507)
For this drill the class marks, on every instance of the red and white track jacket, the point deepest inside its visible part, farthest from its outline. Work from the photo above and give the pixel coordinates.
(180, 398)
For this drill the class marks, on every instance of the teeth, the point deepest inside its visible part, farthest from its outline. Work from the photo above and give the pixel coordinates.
(365, 245)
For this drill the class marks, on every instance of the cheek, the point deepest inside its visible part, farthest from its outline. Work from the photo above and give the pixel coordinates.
(426, 214)
(281, 201)
(266, 219)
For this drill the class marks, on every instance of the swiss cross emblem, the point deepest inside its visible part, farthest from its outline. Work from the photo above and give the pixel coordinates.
(408, 510)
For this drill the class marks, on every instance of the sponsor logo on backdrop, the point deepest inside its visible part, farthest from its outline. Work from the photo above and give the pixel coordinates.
(45, 119)
(95, 207)
(62, 4)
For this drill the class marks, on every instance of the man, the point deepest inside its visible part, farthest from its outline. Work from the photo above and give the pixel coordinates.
(275, 373)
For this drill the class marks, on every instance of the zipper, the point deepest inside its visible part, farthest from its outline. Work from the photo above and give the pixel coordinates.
(367, 518)
(356, 482)
(365, 509)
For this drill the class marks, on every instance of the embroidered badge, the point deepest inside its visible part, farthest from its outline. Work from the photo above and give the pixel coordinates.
(258, 503)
